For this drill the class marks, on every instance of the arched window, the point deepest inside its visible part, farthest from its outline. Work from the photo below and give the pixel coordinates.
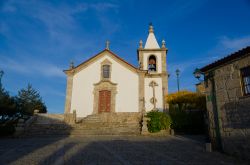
(152, 63)
(106, 71)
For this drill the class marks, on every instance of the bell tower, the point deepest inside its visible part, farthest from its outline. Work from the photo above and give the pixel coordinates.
(152, 61)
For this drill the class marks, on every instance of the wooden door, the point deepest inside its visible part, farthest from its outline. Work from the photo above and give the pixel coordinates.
(104, 101)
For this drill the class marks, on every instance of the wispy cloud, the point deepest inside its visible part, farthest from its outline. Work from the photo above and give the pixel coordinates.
(57, 17)
(226, 45)
(47, 90)
(31, 67)
(190, 64)
(65, 26)
(234, 43)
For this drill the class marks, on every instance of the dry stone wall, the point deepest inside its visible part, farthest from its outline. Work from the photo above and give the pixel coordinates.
(233, 109)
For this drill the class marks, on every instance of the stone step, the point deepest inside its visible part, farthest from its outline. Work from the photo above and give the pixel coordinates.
(84, 130)
(100, 124)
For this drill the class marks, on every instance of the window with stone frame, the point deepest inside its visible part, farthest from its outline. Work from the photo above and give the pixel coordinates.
(106, 71)
(245, 78)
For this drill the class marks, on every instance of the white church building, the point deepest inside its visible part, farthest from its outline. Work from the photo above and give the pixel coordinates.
(106, 83)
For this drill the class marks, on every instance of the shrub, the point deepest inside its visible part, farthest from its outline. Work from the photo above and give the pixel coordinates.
(158, 121)
(186, 100)
(187, 111)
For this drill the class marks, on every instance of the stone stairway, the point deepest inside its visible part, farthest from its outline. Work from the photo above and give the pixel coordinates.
(48, 124)
(100, 124)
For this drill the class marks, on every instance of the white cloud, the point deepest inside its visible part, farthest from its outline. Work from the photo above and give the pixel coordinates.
(234, 43)
(48, 90)
(185, 65)
(57, 17)
(31, 67)
(226, 45)
(63, 27)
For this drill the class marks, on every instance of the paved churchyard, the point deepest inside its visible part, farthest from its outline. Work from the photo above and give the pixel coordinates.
(108, 150)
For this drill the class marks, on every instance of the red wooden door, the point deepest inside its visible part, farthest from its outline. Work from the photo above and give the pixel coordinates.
(104, 101)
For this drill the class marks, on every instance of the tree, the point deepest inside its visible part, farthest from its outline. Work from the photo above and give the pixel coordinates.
(29, 100)
(7, 103)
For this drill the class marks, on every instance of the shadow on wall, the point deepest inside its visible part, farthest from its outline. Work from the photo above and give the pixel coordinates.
(237, 114)
(41, 136)
(236, 128)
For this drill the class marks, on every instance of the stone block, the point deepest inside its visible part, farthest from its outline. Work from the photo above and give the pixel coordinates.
(171, 131)
(144, 130)
(208, 147)
(69, 118)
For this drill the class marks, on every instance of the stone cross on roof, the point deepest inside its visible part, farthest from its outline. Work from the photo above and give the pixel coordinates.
(107, 44)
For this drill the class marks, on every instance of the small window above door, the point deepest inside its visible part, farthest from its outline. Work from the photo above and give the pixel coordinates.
(106, 71)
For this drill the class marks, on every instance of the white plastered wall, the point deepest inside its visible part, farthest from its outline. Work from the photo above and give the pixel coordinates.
(158, 60)
(127, 97)
(149, 94)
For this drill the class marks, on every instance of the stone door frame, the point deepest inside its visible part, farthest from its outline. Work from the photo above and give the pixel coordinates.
(104, 85)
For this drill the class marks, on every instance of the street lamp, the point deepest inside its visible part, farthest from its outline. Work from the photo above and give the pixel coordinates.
(197, 73)
(178, 81)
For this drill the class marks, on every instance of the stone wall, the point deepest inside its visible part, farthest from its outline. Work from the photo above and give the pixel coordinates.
(233, 109)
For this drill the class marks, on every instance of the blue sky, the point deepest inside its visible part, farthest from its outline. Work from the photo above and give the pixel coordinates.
(39, 38)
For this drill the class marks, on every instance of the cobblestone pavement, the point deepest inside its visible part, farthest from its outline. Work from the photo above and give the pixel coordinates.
(108, 150)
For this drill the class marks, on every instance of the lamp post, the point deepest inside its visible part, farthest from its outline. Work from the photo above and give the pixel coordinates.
(210, 76)
(178, 81)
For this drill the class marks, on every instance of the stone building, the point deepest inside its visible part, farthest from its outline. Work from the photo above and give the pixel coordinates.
(106, 83)
(200, 88)
(227, 84)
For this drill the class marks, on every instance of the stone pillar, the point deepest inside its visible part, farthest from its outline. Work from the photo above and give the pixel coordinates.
(141, 91)
(145, 120)
(68, 93)
(164, 77)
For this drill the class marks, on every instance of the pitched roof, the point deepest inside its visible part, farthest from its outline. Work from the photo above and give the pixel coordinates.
(239, 54)
(99, 55)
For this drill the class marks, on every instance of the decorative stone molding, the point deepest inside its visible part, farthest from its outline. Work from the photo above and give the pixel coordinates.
(155, 75)
(93, 59)
(104, 85)
(106, 62)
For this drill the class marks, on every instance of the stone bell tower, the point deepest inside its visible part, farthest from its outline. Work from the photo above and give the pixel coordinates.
(153, 76)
